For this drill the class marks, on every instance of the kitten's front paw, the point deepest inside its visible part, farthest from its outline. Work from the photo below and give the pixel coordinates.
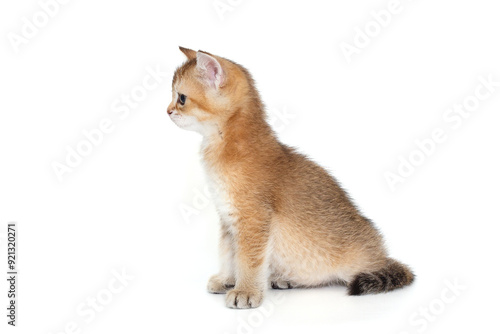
(218, 285)
(244, 299)
(281, 285)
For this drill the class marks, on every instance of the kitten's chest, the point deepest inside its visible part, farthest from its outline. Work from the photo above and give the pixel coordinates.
(221, 196)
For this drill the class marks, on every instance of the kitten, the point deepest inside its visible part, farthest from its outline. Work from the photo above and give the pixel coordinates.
(285, 222)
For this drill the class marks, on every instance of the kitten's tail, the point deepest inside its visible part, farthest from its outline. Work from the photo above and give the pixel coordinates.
(393, 276)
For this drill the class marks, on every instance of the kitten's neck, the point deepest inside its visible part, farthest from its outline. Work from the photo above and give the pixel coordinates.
(243, 133)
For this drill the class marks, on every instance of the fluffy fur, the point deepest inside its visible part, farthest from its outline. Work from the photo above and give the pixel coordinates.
(285, 222)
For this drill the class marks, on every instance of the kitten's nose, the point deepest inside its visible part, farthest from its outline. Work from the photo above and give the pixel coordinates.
(169, 111)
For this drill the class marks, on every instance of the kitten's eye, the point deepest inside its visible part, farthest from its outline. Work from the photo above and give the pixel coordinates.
(182, 99)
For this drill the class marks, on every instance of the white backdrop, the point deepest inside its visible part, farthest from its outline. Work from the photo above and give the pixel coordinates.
(399, 100)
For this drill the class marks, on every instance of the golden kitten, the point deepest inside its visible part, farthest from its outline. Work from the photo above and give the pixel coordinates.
(285, 222)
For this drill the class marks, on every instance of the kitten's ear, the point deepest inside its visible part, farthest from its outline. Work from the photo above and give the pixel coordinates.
(210, 69)
(190, 54)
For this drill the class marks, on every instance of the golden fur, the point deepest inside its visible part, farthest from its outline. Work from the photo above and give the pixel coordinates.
(285, 221)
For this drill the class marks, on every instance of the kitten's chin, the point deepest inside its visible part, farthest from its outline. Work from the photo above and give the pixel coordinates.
(187, 123)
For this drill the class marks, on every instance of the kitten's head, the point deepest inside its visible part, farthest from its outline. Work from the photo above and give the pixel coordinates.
(206, 91)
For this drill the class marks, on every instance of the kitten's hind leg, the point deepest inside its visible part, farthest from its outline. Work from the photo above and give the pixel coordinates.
(281, 284)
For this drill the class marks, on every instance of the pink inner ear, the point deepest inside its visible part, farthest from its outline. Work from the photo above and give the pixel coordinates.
(210, 68)
(212, 71)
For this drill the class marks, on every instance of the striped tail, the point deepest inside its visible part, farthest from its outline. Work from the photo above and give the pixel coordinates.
(394, 276)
